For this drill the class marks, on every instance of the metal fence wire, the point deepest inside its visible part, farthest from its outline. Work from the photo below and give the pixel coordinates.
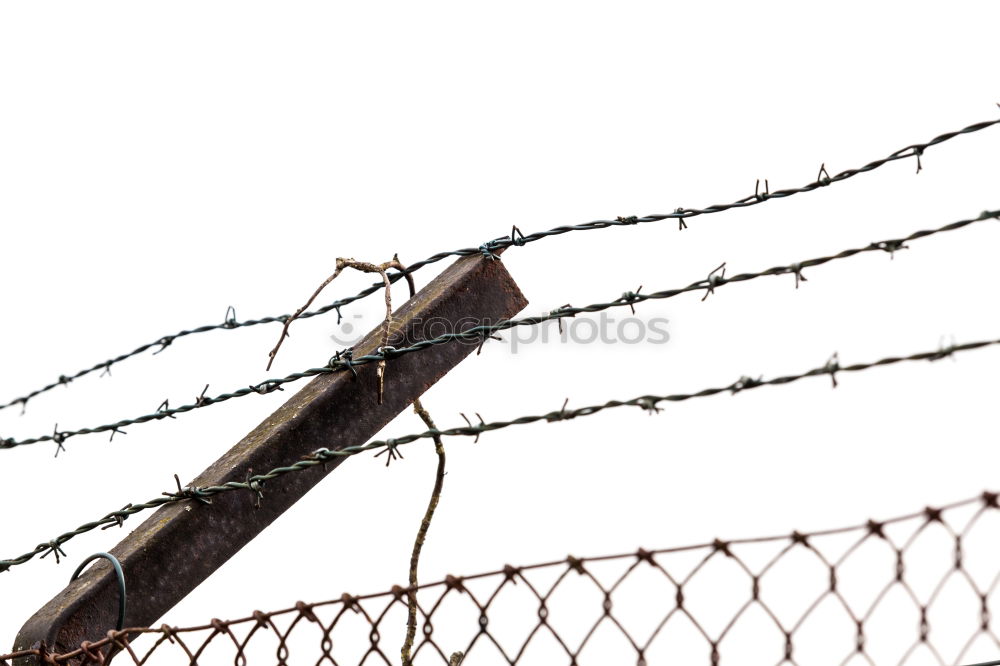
(515, 239)
(916, 589)
(913, 590)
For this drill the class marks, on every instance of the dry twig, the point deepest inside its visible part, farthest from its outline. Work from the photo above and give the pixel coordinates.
(364, 267)
(418, 543)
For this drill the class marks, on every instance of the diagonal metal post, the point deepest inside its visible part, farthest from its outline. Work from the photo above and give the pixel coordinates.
(181, 544)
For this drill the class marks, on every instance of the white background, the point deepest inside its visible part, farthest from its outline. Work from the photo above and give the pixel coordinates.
(160, 162)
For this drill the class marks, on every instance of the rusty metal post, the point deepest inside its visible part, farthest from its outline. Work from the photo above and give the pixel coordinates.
(181, 544)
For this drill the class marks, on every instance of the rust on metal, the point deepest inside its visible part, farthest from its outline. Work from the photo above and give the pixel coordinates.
(181, 544)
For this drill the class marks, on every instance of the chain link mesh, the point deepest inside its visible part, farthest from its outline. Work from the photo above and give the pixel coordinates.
(917, 589)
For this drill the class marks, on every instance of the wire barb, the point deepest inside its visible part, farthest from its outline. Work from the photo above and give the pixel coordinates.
(648, 404)
(487, 336)
(164, 410)
(486, 249)
(944, 351)
(629, 298)
(118, 517)
(762, 196)
(256, 486)
(344, 359)
(890, 246)
(265, 387)
(562, 312)
(481, 424)
(832, 367)
(59, 438)
(164, 342)
(321, 456)
(188, 493)
(681, 222)
(746, 382)
(201, 400)
(560, 415)
(797, 270)
(229, 322)
(517, 237)
(53, 547)
(823, 178)
(391, 447)
(716, 278)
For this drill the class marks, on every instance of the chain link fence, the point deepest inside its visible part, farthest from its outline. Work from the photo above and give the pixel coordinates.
(917, 589)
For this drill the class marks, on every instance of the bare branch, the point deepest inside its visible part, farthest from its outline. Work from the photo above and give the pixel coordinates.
(418, 543)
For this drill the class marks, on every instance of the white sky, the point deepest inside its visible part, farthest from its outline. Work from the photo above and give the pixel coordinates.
(159, 163)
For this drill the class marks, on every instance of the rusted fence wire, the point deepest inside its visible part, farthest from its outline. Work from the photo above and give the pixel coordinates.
(255, 485)
(919, 588)
(681, 214)
(345, 361)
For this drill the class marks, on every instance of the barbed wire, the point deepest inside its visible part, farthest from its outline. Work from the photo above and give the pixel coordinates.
(516, 238)
(648, 403)
(541, 585)
(345, 361)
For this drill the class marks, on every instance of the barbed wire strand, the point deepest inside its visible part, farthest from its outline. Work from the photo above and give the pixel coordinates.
(516, 238)
(478, 334)
(871, 528)
(648, 403)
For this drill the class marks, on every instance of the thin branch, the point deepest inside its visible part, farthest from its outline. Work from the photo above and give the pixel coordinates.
(364, 267)
(418, 543)
(288, 322)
